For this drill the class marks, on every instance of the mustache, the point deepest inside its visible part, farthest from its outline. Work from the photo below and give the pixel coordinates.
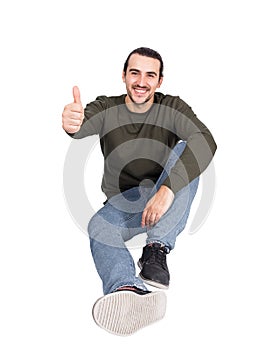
(140, 87)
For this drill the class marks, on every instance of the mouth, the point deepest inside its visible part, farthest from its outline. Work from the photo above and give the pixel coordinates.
(140, 91)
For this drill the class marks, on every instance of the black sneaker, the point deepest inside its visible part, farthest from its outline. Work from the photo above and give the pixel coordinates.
(152, 263)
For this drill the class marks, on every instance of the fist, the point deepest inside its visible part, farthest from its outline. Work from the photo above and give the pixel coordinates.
(73, 113)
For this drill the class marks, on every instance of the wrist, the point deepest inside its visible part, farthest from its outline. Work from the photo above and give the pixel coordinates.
(166, 189)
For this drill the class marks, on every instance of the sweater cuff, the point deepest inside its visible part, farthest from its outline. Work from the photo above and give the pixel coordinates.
(175, 182)
(72, 135)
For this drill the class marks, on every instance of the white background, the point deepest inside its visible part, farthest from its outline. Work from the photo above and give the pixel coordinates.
(221, 57)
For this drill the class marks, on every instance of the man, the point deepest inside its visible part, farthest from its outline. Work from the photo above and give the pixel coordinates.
(154, 150)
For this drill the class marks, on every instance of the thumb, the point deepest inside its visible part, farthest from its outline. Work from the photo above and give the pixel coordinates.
(76, 95)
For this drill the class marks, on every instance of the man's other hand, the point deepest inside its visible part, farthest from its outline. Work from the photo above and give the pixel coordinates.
(157, 206)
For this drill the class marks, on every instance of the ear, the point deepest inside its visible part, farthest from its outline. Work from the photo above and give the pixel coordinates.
(160, 82)
(123, 76)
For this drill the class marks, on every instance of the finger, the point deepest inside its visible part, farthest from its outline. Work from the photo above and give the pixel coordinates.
(149, 219)
(69, 115)
(157, 219)
(74, 122)
(73, 107)
(143, 221)
(152, 219)
(71, 128)
(73, 115)
(76, 95)
(76, 107)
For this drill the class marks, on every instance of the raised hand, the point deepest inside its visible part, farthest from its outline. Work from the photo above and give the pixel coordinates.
(73, 113)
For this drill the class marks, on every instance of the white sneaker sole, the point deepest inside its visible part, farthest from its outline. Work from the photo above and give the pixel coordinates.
(124, 313)
(153, 283)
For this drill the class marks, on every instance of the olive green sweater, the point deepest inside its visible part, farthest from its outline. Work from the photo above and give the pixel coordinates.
(136, 146)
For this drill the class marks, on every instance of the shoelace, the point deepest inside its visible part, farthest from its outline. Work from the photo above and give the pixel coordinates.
(157, 256)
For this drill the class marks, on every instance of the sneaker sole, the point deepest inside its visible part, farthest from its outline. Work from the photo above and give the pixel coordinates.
(151, 282)
(124, 313)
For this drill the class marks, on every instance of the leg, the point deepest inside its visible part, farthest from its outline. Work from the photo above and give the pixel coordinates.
(174, 220)
(108, 230)
(162, 237)
(121, 311)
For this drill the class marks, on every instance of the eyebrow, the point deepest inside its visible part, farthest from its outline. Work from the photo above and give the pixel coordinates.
(137, 70)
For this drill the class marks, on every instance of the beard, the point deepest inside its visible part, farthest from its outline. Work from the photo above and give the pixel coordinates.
(149, 97)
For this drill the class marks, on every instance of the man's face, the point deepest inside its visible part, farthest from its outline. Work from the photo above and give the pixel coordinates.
(142, 79)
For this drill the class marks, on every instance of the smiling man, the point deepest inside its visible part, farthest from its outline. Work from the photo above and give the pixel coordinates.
(142, 77)
(154, 150)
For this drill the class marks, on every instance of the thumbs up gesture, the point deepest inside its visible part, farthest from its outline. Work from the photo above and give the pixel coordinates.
(73, 113)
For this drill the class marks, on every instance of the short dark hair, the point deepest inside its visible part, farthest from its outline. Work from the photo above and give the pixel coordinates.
(145, 51)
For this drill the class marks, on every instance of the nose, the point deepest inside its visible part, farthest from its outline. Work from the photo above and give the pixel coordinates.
(141, 81)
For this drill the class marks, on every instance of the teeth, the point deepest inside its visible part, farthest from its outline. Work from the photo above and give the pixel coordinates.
(140, 91)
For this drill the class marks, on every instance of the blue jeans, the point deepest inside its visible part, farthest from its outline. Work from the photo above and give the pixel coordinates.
(120, 220)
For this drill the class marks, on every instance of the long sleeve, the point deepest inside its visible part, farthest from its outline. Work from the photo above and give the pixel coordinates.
(199, 151)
